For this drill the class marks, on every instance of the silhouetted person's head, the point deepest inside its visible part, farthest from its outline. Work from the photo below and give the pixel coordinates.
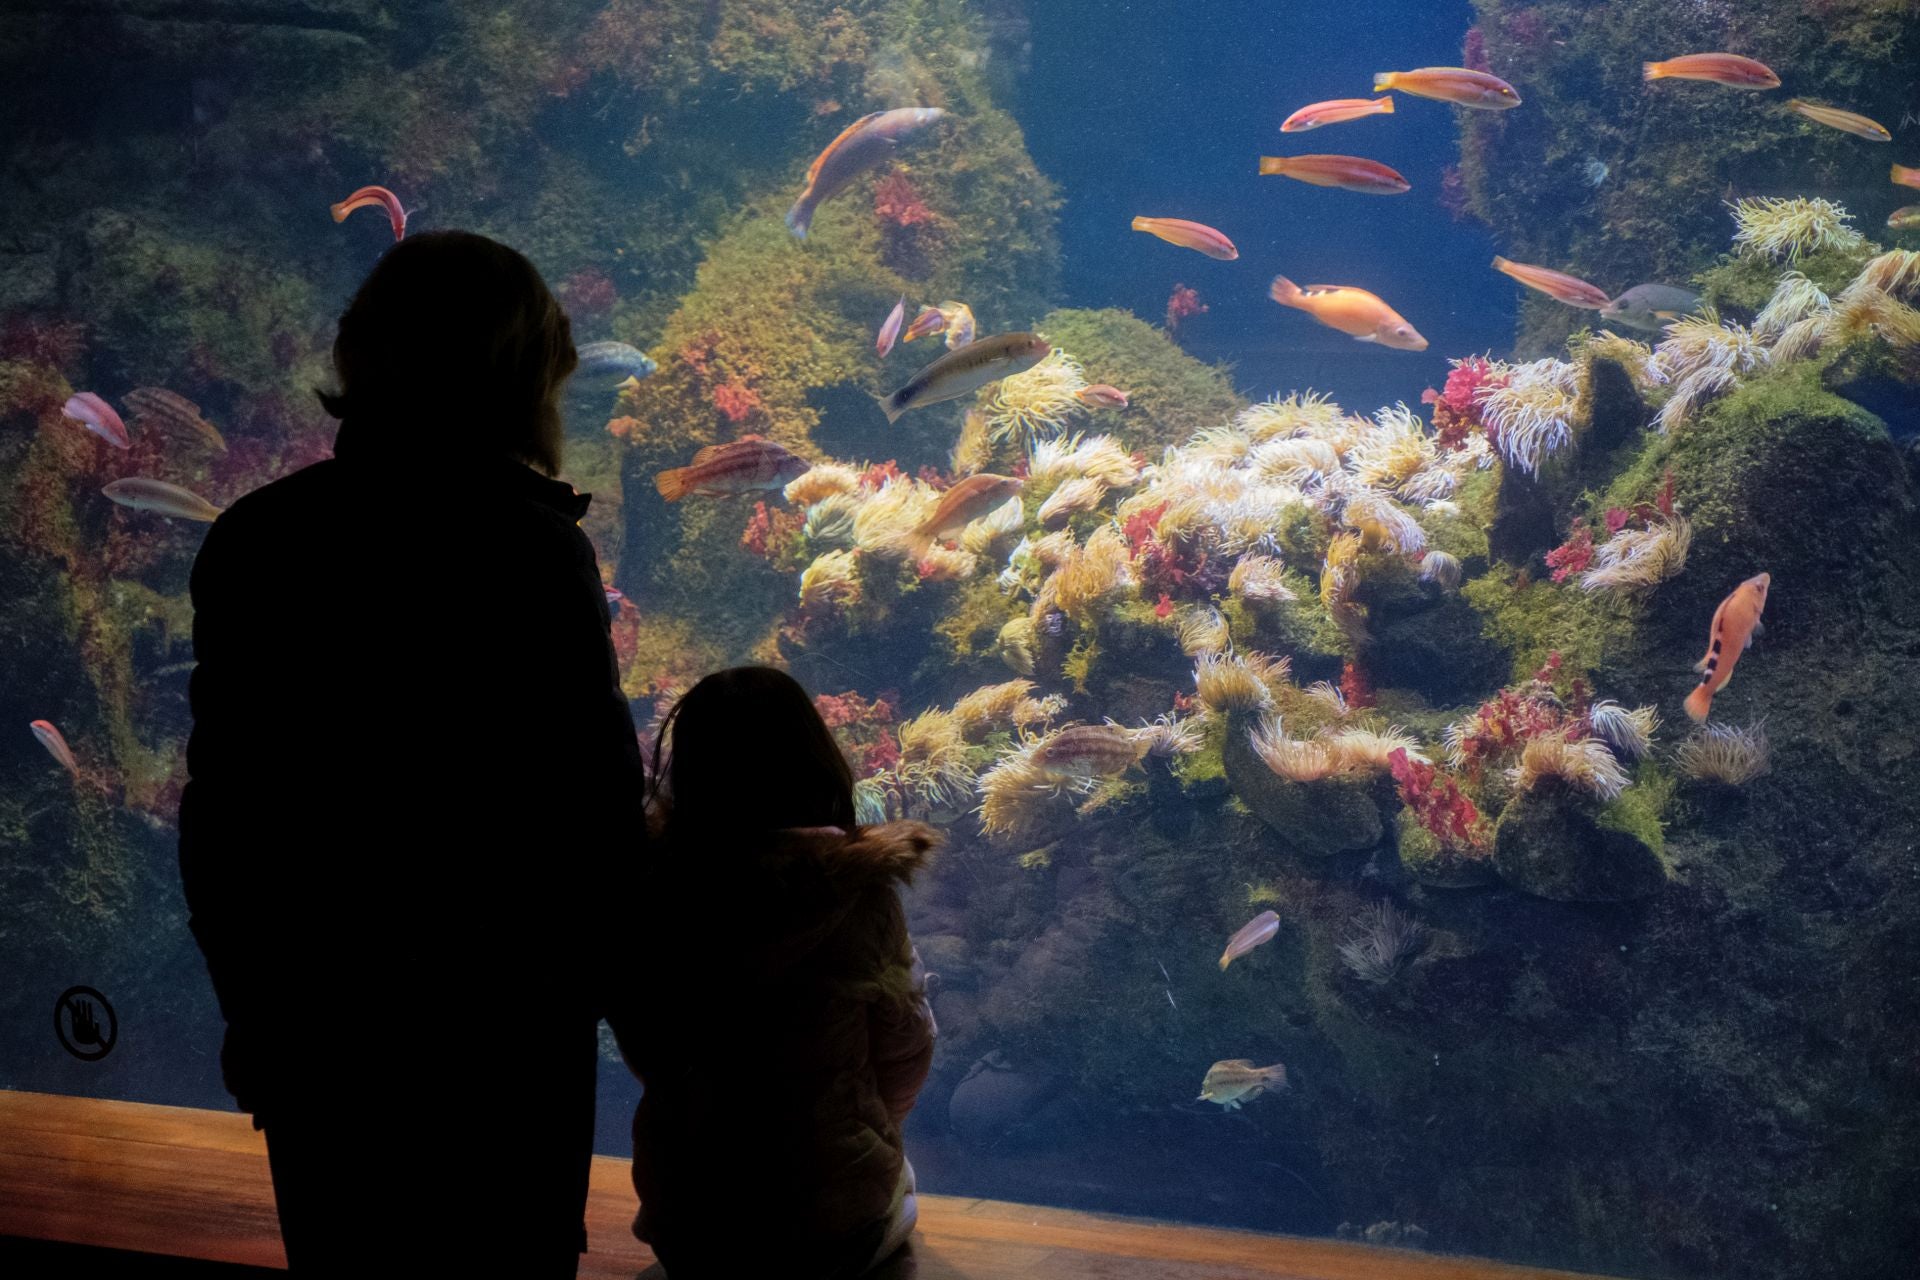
(454, 348)
(744, 750)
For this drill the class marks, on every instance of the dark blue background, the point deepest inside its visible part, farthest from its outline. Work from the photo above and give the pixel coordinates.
(1161, 108)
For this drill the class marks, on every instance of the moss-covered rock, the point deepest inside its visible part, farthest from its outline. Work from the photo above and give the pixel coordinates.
(1318, 819)
(1554, 844)
(1171, 395)
(1434, 864)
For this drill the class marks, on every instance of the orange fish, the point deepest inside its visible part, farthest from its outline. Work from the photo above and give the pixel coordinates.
(1845, 121)
(1189, 235)
(1461, 87)
(931, 320)
(1571, 290)
(1337, 111)
(860, 146)
(1348, 173)
(1906, 175)
(56, 745)
(1352, 311)
(740, 466)
(1720, 68)
(1101, 396)
(1735, 623)
(966, 502)
(371, 198)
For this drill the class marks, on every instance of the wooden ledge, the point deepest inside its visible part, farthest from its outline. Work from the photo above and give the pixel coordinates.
(194, 1184)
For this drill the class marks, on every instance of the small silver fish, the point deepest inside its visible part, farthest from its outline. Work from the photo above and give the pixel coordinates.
(145, 494)
(966, 369)
(1237, 1080)
(1250, 935)
(1651, 307)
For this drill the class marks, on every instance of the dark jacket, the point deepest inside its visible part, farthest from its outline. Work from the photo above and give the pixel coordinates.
(413, 781)
(781, 1033)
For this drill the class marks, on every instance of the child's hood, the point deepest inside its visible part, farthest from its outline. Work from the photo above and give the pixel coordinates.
(816, 876)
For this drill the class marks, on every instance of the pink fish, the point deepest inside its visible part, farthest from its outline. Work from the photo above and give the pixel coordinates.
(1197, 236)
(1337, 111)
(1101, 396)
(1250, 935)
(1348, 173)
(56, 745)
(614, 596)
(97, 416)
(930, 321)
(890, 327)
(371, 198)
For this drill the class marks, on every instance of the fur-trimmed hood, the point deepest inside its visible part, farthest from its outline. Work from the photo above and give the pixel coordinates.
(884, 851)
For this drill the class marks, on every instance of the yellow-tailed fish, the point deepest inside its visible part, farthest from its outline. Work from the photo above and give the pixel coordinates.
(1461, 87)
(966, 369)
(1718, 68)
(1197, 236)
(1348, 173)
(1352, 311)
(1906, 176)
(163, 499)
(1335, 111)
(1557, 285)
(1845, 121)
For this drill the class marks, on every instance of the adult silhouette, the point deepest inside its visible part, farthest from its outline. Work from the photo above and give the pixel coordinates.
(413, 786)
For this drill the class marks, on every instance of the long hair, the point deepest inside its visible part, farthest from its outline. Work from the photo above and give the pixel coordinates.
(455, 345)
(744, 751)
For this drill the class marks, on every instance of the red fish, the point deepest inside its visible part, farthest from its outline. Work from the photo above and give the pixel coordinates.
(1337, 111)
(1571, 290)
(1189, 235)
(1906, 175)
(371, 198)
(1461, 87)
(1101, 396)
(1348, 173)
(890, 327)
(1735, 623)
(56, 745)
(966, 502)
(860, 146)
(1719, 68)
(97, 416)
(740, 466)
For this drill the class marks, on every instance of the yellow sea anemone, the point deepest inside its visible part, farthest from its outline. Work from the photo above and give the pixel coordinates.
(887, 522)
(1094, 578)
(1228, 682)
(1628, 732)
(990, 705)
(1636, 559)
(1789, 229)
(823, 480)
(1201, 630)
(1307, 760)
(1259, 580)
(1382, 525)
(1532, 415)
(1582, 763)
(1725, 754)
(1302, 413)
(1081, 493)
(1392, 450)
(973, 450)
(1036, 404)
(831, 581)
(1014, 645)
(993, 535)
(1369, 748)
(1015, 794)
(939, 564)
(1297, 460)
(830, 521)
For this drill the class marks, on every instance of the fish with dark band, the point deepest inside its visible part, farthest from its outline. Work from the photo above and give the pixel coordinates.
(1719, 68)
(605, 366)
(1461, 87)
(161, 498)
(1735, 623)
(1250, 935)
(1237, 1080)
(966, 369)
(374, 198)
(861, 145)
(1348, 173)
(1189, 235)
(56, 745)
(1355, 312)
(97, 416)
(173, 411)
(745, 465)
(1336, 111)
(1559, 286)
(1845, 121)
(890, 328)
(1651, 307)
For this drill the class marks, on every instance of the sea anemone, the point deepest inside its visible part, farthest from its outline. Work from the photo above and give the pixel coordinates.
(870, 801)
(1051, 461)
(1382, 525)
(1105, 459)
(1370, 748)
(991, 705)
(1703, 358)
(1895, 273)
(1725, 754)
(1260, 580)
(938, 563)
(830, 520)
(1628, 733)
(1015, 793)
(887, 523)
(1380, 942)
(1636, 559)
(1585, 764)
(1093, 578)
(1789, 229)
(1037, 404)
(1441, 569)
(1170, 735)
(832, 580)
(1201, 631)
(994, 535)
(1327, 692)
(973, 448)
(1794, 299)
(1393, 450)
(1297, 460)
(1081, 493)
(1302, 413)
(823, 480)
(1228, 682)
(1014, 645)
(1297, 760)
(1531, 414)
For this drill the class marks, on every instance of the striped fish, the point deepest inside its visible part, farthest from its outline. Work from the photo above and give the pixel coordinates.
(1090, 751)
(860, 146)
(1557, 285)
(1735, 623)
(966, 369)
(174, 411)
(1348, 173)
(145, 494)
(739, 466)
